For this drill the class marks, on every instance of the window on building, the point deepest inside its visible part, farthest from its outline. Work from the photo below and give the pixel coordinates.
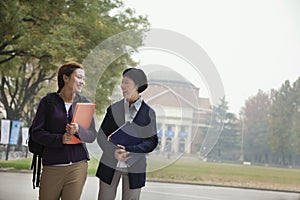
(181, 147)
(183, 129)
(170, 127)
(168, 145)
(170, 131)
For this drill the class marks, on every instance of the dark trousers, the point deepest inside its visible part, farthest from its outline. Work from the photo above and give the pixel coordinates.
(108, 192)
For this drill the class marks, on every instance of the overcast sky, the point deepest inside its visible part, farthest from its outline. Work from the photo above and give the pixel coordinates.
(254, 44)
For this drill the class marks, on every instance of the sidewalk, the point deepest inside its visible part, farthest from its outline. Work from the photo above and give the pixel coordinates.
(16, 186)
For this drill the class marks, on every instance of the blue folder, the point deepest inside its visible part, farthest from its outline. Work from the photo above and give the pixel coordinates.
(126, 135)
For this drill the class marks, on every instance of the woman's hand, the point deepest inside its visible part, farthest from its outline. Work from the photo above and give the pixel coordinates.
(121, 155)
(121, 147)
(72, 128)
(66, 138)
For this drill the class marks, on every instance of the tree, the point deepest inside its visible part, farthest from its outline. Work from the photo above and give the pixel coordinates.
(255, 114)
(280, 121)
(227, 146)
(38, 36)
(295, 121)
(231, 139)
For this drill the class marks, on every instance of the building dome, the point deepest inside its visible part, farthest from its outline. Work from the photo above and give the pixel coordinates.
(168, 76)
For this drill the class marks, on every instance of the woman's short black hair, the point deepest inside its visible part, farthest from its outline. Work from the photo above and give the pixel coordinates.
(138, 76)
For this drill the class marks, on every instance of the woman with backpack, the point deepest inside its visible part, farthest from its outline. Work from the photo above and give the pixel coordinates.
(64, 165)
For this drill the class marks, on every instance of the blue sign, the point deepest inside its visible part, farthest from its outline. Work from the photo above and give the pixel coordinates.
(169, 133)
(183, 134)
(14, 132)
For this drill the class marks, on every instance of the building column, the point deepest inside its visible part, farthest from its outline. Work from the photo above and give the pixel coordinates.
(176, 139)
(188, 140)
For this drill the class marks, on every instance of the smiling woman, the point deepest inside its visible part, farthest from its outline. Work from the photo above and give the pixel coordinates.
(127, 161)
(64, 165)
(70, 80)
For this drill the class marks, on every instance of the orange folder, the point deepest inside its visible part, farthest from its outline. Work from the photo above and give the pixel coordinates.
(83, 115)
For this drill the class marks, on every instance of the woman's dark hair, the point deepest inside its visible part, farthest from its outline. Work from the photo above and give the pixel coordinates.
(138, 76)
(66, 69)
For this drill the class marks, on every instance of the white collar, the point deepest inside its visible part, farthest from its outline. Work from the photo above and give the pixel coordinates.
(137, 104)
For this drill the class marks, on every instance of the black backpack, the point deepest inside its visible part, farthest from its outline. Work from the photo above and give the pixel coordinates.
(37, 149)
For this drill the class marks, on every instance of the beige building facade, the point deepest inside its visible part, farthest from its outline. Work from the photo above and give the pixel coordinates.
(182, 116)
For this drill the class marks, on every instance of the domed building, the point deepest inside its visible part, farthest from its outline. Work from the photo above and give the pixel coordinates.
(182, 116)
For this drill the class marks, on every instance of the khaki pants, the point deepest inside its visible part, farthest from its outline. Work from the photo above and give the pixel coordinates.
(63, 181)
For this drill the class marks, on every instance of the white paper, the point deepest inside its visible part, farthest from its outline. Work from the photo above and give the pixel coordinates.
(25, 131)
(5, 130)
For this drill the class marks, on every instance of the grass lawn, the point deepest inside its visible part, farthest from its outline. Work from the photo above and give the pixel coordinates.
(196, 172)
(228, 174)
(24, 164)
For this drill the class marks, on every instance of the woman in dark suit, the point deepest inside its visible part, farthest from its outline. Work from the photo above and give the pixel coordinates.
(127, 161)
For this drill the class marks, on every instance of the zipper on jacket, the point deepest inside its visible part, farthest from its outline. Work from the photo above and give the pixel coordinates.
(67, 122)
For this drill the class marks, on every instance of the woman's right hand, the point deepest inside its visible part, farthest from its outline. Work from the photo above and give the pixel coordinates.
(66, 138)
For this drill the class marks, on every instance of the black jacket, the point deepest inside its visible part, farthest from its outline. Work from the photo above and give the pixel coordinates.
(49, 130)
(145, 125)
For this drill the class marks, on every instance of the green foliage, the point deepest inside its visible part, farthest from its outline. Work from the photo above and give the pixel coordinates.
(280, 118)
(23, 164)
(295, 121)
(256, 131)
(227, 146)
(36, 37)
(272, 121)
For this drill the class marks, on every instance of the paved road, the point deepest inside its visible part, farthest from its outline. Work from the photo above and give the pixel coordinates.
(16, 186)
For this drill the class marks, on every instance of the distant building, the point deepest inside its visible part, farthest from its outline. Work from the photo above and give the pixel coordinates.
(182, 116)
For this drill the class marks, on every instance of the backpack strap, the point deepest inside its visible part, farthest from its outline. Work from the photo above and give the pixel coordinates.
(50, 99)
(33, 166)
(38, 173)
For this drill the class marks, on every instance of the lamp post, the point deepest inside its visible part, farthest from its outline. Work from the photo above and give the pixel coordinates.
(242, 140)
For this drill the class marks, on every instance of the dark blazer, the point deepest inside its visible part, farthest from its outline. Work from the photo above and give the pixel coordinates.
(145, 125)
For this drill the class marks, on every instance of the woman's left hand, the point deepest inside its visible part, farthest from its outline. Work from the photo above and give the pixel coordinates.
(121, 155)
